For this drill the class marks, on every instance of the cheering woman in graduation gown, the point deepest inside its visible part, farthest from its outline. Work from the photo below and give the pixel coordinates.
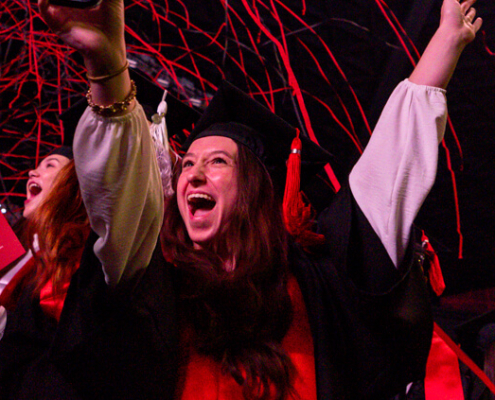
(240, 310)
(54, 228)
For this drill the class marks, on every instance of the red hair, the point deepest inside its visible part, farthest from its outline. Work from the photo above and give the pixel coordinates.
(239, 317)
(62, 226)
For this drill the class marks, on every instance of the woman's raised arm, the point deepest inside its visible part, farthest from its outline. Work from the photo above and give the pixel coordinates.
(398, 167)
(113, 150)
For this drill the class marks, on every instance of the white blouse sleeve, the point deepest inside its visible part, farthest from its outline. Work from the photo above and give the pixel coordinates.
(121, 188)
(398, 167)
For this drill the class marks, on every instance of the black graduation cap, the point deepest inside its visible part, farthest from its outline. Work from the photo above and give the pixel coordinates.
(234, 114)
(70, 118)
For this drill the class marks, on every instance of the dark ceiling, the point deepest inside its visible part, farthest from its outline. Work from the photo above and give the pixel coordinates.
(346, 56)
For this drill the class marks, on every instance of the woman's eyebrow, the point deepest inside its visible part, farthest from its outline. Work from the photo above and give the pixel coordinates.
(210, 153)
(52, 159)
(215, 152)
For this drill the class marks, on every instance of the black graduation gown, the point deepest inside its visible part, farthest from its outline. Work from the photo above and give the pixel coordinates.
(108, 344)
(371, 324)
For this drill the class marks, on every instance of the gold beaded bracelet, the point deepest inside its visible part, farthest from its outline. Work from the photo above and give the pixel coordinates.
(115, 108)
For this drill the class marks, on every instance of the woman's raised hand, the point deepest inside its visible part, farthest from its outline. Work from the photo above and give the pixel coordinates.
(97, 33)
(460, 18)
(458, 27)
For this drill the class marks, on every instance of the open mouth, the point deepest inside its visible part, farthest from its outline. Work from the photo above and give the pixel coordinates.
(200, 202)
(34, 189)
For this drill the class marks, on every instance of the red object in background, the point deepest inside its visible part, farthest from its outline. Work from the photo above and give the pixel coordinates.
(10, 247)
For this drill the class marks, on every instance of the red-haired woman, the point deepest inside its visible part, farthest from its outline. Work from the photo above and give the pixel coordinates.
(258, 316)
(62, 227)
(55, 227)
(37, 309)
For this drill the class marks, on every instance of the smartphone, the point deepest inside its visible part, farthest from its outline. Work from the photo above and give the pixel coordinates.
(75, 3)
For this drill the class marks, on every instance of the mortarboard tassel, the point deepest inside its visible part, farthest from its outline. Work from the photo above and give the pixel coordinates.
(159, 134)
(297, 215)
(159, 129)
(434, 272)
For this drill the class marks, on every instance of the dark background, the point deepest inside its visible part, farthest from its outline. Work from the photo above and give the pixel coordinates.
(339, 51)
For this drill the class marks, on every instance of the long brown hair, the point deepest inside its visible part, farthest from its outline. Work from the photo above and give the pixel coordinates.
(239, 317)
(62, 226)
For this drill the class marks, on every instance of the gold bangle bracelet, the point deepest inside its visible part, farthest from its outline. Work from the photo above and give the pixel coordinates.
(109, 76)
(115, 108)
